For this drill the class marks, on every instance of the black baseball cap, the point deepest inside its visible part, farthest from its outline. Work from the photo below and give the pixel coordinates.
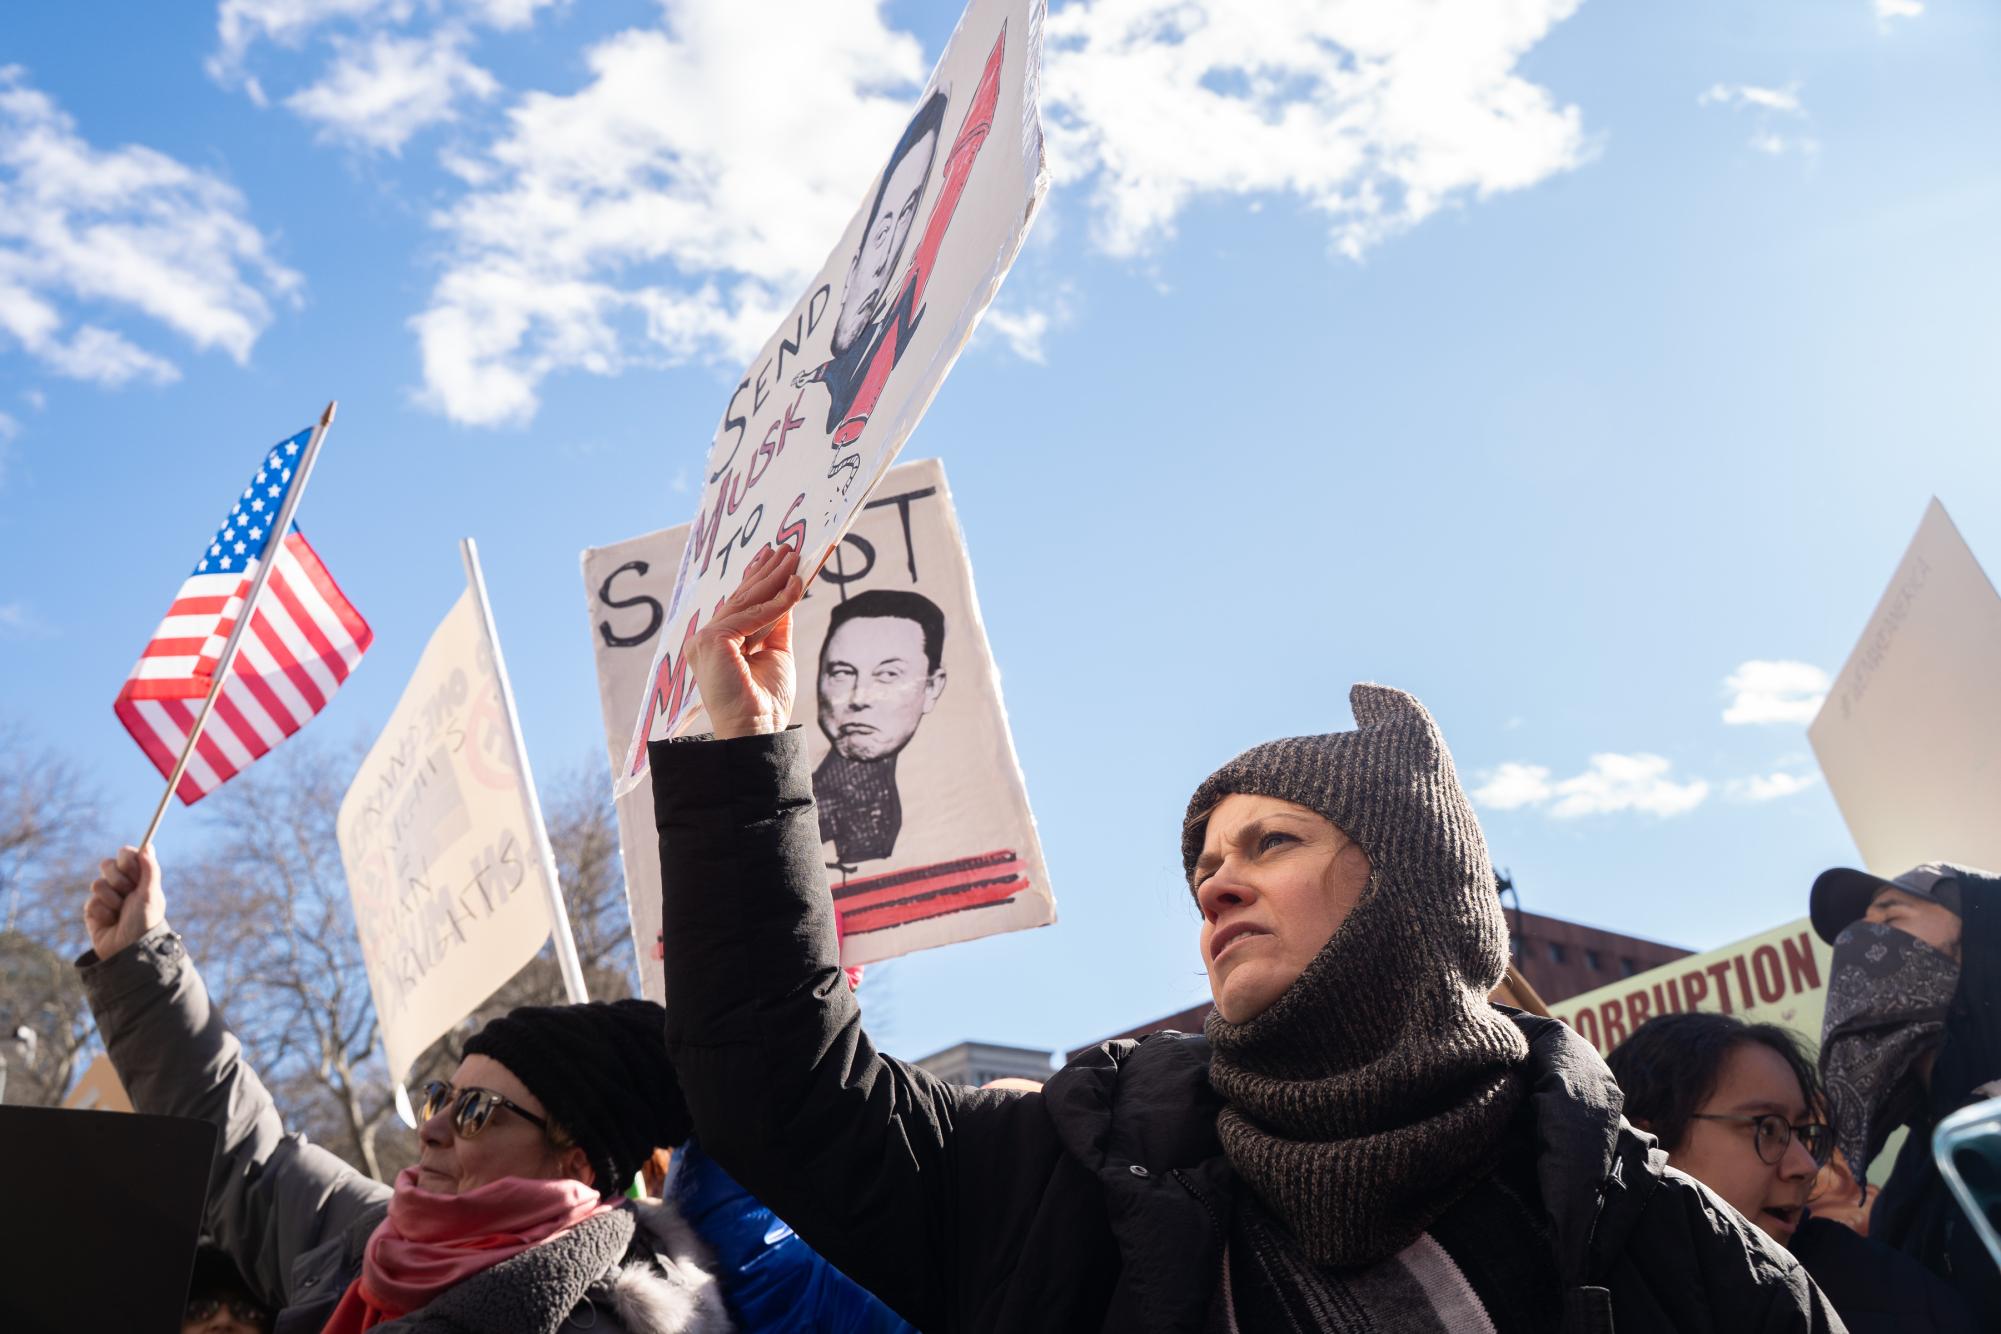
(1842, 895)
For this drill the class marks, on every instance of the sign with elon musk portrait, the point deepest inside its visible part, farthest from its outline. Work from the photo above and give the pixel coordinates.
(821, 412)
(924, 820)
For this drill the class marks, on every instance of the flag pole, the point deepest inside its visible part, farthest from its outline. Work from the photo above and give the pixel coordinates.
(559, 916)
(279, 528)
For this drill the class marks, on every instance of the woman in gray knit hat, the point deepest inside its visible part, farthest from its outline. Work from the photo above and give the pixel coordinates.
(1360, 1142)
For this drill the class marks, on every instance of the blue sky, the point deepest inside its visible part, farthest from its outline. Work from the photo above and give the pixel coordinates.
(1553, 365)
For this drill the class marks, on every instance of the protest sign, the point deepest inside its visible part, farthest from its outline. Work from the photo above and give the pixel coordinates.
(1778, 976)
(1907, 735)
(442, 854)
(837, 388)
(924, 819)
(99, 1090)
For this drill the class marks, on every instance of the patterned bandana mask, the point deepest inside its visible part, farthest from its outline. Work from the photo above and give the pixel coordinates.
(1887, 994)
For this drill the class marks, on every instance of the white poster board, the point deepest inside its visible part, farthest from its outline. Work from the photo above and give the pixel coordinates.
(927, 833)
(449, 894)
(822, 411)
(1907, 737)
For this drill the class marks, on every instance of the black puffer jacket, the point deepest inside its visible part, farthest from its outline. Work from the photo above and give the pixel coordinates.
(1103, 1202)
(1878, 1290)
(1916, 1213)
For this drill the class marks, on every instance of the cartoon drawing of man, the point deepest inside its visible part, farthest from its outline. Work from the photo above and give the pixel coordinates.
(881, 671)
(871, 330)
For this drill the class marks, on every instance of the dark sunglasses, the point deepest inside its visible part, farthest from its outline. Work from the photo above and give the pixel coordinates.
(471, 1108)
(1773, 1135)
(241, 1308)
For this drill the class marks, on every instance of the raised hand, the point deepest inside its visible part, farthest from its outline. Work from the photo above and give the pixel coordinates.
(125, 901)
(743, 658)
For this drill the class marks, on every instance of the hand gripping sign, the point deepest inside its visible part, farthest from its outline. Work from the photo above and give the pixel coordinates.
(837, 389)
(924, 820)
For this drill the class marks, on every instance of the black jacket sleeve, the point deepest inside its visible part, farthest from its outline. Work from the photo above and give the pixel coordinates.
(919, 1190)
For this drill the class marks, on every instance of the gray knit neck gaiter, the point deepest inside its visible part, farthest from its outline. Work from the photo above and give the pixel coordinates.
(1379, 1087)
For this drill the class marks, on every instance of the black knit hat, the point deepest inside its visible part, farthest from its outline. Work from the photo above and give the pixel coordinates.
(601, 1071)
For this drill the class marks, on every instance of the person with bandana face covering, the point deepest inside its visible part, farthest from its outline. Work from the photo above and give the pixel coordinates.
(1913, 1033)
(1359, 1142)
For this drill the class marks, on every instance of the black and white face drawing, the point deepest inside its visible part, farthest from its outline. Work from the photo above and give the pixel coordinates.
(881, 671)
(888, 227)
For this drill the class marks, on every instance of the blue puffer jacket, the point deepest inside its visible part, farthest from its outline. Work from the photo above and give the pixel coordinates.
(770, 1278)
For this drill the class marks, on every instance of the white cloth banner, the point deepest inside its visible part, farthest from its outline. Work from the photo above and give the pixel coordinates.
(822, 411)
(1907, 735)
(924, 817)
(440, 850)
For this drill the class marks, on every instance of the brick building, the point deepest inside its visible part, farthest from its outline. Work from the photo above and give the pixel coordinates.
(1562, 959)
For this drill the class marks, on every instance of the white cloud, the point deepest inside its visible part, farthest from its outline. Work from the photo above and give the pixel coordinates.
(382, 90)
(667, 211)
(1774, 692)
(1374, 115)
(1022, 329)
(1513, 786)
(1770, 787)
(10, 429)
(1778, 114)
(1611, 783)
(1899, 9)
(363, 25)
(1626, 783)
(1783, 100)
(130, 230)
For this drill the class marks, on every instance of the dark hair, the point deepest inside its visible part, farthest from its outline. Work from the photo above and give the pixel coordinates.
(930, 119)
(1669, 1067)
(897, 603)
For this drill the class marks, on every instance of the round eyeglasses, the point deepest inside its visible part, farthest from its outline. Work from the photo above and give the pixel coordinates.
(471, 1108)
(1773, 1135)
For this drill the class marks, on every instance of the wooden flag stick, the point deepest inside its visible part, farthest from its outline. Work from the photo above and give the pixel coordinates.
(279, 528)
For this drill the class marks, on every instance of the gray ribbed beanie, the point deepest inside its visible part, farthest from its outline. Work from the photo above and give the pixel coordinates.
(1377, 1087)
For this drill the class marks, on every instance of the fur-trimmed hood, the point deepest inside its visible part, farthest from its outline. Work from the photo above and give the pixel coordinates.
(675, 1294)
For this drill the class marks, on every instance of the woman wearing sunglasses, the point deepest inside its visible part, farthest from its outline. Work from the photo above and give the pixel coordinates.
(513, 1217)
(1738, 1107)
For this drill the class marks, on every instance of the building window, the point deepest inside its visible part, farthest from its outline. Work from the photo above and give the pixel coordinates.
(1555, 952)
(1627, 967)
(1591, 960)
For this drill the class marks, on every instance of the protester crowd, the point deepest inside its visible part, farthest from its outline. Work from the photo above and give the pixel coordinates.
(1361, 1139)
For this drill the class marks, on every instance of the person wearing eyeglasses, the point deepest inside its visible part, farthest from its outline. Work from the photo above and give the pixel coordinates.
(1737, 1106)
(513, 1218)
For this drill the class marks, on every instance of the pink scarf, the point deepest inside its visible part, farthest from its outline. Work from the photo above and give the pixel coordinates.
(431, 1241)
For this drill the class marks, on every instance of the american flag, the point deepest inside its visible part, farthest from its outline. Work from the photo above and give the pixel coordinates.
(302, 643)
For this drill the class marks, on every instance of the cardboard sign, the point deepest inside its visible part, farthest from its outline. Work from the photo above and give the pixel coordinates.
(435, 833)
(822, 411)
(924, 819)
(1778, 977)
(1907, 735)
(99, 1090)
